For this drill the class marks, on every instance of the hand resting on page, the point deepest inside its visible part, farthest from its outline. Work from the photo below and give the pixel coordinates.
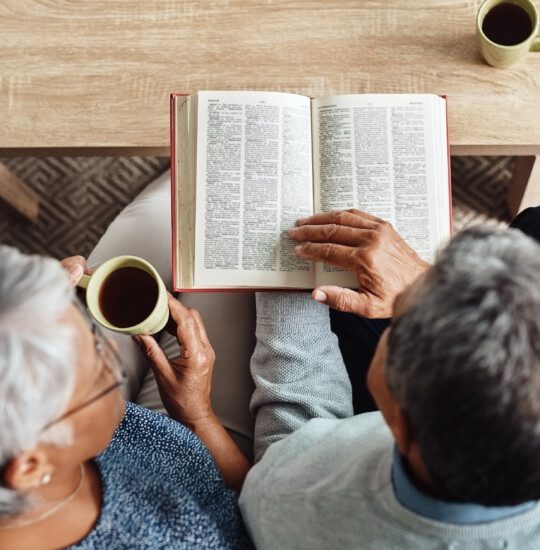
(365, 245)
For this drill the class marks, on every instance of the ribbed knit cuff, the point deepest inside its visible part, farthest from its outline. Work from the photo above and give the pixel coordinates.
(287, 307)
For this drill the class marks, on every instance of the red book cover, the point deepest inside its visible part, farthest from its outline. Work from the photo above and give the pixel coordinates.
(173, 187)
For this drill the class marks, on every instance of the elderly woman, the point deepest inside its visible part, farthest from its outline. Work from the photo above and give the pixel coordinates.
(80, 467)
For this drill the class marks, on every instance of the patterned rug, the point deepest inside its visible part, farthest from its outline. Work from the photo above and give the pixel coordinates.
(80, 196)
(479, 188)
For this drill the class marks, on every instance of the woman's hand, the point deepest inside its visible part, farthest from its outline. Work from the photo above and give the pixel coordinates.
(184, 386)
(184, 383)
(75, 267)
(369, 247)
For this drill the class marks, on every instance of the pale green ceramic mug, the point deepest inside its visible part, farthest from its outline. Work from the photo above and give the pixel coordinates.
(499, 55)
(153, 323)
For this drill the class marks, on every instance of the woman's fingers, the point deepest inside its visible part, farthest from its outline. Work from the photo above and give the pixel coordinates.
(200, 326)
(75, 267)
(187, 331)
(191, 334)
(154, 354)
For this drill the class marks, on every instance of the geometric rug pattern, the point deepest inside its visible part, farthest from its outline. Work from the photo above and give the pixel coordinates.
(80, 196)
(479, 188)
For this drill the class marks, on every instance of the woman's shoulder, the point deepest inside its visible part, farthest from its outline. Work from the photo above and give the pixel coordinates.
(139, 423)
(150, 439)
(162, 489)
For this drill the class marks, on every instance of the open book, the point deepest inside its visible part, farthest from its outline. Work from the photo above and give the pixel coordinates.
(247, 165)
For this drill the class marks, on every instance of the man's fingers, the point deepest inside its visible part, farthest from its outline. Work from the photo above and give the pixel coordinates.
(349, 218)
(364, 215)
(330, 233)
(343, 299)
(345, 257)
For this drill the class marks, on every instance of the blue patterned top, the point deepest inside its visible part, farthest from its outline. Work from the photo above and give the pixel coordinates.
(162, 489)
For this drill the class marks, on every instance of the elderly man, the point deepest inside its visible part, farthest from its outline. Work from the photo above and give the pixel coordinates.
(451, 459)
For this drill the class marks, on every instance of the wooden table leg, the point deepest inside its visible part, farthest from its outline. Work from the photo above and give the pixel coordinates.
(17, 197)
(524, 188)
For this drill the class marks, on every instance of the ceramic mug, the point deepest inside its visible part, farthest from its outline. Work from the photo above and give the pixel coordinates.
(153, 323)
(499, 55)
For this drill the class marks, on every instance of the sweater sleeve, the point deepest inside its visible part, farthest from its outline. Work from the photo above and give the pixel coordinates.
(297, 368)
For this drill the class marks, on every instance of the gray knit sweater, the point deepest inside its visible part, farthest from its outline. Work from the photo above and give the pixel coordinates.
(323, 477)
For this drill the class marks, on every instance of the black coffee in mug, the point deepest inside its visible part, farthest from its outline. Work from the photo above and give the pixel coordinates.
(507, 24)
(128, 296)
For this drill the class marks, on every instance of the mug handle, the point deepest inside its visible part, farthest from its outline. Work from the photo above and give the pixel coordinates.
(83, 283)
(535, 46)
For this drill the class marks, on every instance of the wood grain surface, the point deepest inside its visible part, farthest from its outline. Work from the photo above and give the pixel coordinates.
(16, 197)
(98, 74)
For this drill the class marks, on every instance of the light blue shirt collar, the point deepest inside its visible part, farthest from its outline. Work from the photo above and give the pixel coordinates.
(440, 510)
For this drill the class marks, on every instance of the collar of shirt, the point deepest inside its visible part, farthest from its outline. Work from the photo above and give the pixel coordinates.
(440, 510)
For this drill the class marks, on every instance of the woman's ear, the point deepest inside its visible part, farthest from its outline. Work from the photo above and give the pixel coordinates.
(29, 470)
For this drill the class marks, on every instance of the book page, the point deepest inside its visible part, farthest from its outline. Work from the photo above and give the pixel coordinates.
(385, 155)
(254, 180)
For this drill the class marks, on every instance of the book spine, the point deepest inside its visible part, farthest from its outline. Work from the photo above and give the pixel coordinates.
(173, 190)
(243, 290)
(449, 167)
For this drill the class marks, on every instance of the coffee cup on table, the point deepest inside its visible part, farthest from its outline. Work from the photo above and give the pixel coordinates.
(507, 30)
(126, 294)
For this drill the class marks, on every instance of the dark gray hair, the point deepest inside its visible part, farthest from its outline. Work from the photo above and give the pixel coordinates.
(36, 358)
(464, 363)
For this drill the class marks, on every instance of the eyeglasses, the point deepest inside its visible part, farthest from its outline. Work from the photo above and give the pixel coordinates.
(112, 364)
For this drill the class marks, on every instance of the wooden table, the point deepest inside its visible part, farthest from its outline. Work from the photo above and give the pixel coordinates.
(95, 76)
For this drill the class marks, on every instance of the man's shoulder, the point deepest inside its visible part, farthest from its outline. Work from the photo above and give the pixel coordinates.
(362, 434)
(324, 451)
(318, 479)
(329, 485)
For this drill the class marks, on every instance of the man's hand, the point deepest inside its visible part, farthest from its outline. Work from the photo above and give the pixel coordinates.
(369, 247)
(75, 267)
(184, 383)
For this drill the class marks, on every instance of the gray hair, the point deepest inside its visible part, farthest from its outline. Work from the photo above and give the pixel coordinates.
(464, 363)
(36, 358)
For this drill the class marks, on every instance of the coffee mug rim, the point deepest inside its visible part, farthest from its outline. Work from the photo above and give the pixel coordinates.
(534, 31)
(115, 259)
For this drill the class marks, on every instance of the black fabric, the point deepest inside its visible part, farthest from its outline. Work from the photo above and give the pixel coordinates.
(528, 221)
(358, 336)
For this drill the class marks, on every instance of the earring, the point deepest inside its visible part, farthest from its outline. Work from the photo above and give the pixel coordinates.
(45, 478)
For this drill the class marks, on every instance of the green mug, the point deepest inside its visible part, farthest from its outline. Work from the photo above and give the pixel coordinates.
(154, 321)
(500, 55)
